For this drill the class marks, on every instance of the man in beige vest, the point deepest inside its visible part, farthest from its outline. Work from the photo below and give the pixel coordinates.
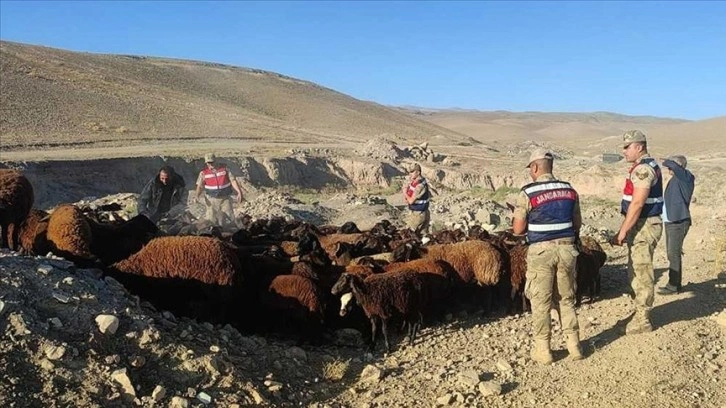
(548, 210)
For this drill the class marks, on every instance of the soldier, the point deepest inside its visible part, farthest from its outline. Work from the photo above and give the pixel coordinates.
(548, 210)
(218, 184)
(418, 196)
(642, 205)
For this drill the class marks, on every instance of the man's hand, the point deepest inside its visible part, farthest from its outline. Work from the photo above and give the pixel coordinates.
(618, 239)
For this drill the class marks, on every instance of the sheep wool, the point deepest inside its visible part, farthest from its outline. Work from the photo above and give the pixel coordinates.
(69, 234)
(204, 259)
(16, 200)
(33, 233)
(474, 260)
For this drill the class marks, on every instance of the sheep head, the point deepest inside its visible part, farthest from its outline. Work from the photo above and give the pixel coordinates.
(343, 285)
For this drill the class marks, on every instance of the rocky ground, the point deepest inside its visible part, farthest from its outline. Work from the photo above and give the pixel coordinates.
(69, 338)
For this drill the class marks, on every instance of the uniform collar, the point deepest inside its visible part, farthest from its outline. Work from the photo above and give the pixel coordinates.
(545, 177)
(640, 159)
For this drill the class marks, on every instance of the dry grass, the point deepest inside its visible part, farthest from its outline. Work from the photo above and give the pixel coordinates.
(335, 370)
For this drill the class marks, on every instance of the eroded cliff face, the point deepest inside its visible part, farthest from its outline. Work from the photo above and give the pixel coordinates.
(72, 180)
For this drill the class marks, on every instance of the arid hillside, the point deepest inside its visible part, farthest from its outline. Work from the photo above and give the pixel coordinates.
(585, 133)
(52, 97)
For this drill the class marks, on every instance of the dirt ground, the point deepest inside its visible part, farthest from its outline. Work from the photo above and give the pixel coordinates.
(54, 355)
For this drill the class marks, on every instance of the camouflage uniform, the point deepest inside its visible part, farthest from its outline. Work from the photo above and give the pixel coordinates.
(641, 241)
(550, 275)
(219, 210)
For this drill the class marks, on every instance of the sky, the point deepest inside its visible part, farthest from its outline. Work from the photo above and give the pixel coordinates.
(664, 59)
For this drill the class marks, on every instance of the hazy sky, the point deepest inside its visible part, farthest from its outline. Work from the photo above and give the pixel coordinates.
(640, 58)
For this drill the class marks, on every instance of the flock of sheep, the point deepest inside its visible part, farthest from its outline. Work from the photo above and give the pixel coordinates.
(280, 275)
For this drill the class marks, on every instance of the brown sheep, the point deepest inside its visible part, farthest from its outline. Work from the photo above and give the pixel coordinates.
(439, 272)
(295, 302)
(587, 269)
(16, 200)
(518, 277)
(473, 261)
(33, 239)
(383, 296)
(69, 235)
(193, 276)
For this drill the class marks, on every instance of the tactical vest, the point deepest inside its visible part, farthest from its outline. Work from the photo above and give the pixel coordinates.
(216, 182)
(553, 203)
(422, 204)
(654, 203)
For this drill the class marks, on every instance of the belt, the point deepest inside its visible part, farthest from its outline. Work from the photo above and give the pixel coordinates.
(555, 242)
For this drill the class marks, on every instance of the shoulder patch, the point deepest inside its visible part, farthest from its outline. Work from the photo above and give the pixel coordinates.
(642, 173)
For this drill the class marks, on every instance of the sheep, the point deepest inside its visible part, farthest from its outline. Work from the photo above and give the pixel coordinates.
(33, 230)
(16, 200)
(587, 269)
(441, 273)
(297, 302)
(69, 235)
(191, 275)
(518, 276)
(113, 242)
(383, 296)
(473, 261)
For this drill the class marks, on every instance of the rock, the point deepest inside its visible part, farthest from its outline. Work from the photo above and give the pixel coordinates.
(503, 366)
(296, 353)
(149, 336)
(444, 399)
(159, 393)
(371, 373)
(469, 378)
(204, 398)
(2, 307)
(107, 324)
(114, 359)
(61, 297)
(721, 319)
(178, 402)
(62, 264)
(55, 352)
(256, 396)
(348, 337)
(44, 269)
(137, 361)
(122, 378)
(55, 322)
(488, 388)
(47, 365)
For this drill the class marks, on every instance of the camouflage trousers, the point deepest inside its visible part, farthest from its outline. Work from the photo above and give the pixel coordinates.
(219, 211)
(551, 278)
(419, 221)
(641, 241)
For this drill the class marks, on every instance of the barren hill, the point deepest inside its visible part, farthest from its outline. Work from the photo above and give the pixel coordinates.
(52, 97)
(583, 132)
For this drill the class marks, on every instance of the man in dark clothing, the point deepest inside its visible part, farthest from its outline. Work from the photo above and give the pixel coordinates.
(161, 193)
(677, 218)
